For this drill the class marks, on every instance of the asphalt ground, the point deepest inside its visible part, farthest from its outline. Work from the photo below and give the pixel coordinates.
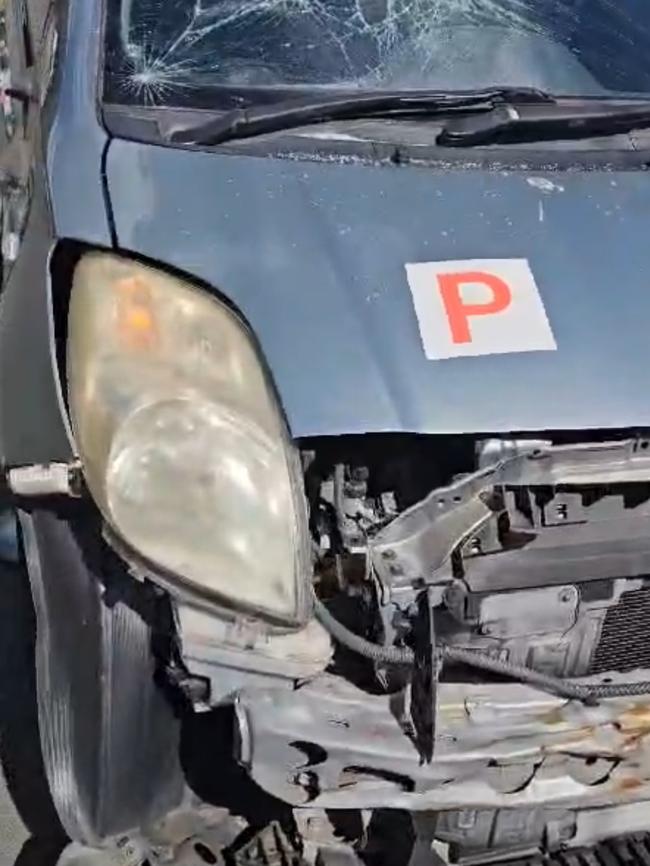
(13, 832)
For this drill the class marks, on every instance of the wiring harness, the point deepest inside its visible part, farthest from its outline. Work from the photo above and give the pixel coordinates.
(589, 693)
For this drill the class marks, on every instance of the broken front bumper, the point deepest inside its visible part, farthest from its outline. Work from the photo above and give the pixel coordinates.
(497, 746)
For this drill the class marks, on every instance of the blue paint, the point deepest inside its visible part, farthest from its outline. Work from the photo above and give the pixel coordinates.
(313, 255)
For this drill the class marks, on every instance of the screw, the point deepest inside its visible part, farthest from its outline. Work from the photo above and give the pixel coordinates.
(307, 780)
(475, 545)
(566, 595)
(388, 554)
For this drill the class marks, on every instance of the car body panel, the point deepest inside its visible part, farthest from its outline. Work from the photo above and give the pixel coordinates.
(67, 201)
(313, 254)
(76, 138)
(33, 425)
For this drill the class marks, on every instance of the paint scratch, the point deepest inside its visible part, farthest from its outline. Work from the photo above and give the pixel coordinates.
(545, 185)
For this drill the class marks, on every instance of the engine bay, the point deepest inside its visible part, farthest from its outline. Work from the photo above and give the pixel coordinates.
(534, 552)
(488, 667)
(484, 560)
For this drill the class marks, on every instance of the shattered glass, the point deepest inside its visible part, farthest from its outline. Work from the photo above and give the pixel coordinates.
(165, 50)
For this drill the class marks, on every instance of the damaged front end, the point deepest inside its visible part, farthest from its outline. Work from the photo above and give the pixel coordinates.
(449, 625)
(531, 558)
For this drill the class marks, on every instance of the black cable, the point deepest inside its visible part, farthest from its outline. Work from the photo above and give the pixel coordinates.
(616, 690)
(389, 654)
(478, 659)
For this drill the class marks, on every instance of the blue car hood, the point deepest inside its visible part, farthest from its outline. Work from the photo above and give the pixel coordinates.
(314, 256)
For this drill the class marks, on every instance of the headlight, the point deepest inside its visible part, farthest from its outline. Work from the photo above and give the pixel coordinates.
(183, 445)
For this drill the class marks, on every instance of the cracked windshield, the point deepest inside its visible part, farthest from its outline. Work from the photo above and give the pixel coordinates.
(175, 52)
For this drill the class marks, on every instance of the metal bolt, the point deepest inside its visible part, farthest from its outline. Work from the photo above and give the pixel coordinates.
(566, 595)
(475, 545)
(566, 832)
(306, 780)
(466, 819)
(388, 554)
(562, 511)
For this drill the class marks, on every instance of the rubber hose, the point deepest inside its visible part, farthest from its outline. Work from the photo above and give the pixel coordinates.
(616, 690)
(390, 654)
(480, 660)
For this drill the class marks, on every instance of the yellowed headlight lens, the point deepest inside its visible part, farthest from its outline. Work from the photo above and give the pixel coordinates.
(183, 445)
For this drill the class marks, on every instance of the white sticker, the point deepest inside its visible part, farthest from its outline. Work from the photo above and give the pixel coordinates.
(478, 307)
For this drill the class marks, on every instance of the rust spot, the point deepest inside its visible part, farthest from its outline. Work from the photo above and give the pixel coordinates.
(454, 712)
(578, 739)
(633, 741)
(555, 717)
(627, 784)
(635, 720)
(634, 725)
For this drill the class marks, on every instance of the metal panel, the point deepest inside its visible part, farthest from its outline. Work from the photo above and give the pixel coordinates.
(77, 139)
(330, 745)
(33, 421)
(419, 541)
(313, 253)
(32, 417)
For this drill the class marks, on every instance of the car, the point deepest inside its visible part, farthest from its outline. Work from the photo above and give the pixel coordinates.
(325, 450)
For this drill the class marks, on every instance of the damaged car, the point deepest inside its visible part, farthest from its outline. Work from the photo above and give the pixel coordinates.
(324, 429)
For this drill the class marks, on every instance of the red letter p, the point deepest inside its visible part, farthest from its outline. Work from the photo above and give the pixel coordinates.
(458, 313)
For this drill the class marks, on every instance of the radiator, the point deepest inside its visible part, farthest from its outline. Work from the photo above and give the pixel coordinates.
(625, 637)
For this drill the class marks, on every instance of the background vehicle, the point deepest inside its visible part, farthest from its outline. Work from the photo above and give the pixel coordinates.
(306, 569)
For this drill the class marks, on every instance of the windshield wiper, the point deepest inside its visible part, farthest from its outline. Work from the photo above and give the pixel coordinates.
(510, 124)
(262, 119)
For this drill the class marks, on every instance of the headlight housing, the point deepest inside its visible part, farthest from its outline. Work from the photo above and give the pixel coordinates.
(184, 448)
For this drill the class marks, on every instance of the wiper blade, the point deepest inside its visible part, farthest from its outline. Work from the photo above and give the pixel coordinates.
(511, 124)
(263, 119)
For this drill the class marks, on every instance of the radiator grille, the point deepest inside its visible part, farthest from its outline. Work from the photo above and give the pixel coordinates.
(625, 638)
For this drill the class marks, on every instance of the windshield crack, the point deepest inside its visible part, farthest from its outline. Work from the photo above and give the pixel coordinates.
(361, 38)
(588, 47)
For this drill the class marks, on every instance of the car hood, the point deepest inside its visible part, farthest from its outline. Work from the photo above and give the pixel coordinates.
(314, 253)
